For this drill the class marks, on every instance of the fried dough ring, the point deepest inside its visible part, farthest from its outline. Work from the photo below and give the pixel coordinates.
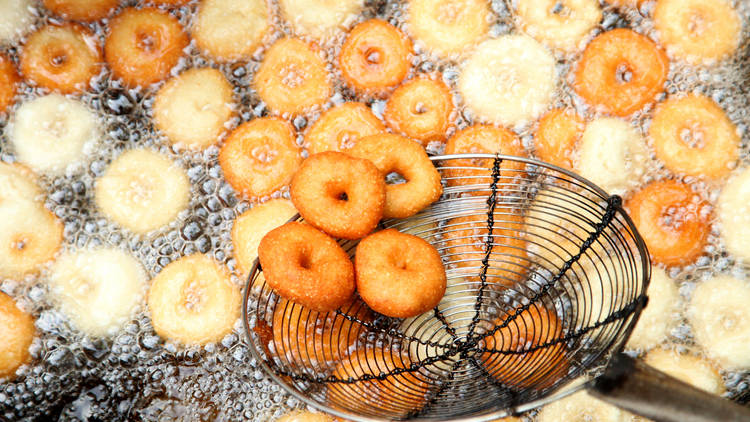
(421, 109)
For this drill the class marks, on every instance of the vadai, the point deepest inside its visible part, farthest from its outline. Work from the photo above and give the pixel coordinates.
(673, 220)
(193, 108)
(395, 154)
(260, 156)
(658, 318)
(508, 80)
(621, 72)
(448, 27)
(375, 57)
(559, 24)
(193, 301)
(692, 135)
(142, 191)
(143, 45)
(698, 30)
(342, 195)
(399, 275)
(556, 136)
(30, 236)
(420, 109)
(16, 334)
(306, 266)
(687, 367)
(390, 395)
(230, 30)
(8, 82)
(292, 77)
(61, 58)
(733, 209)
(533, 327)
(320, 19)
(81, 10)
(339, 127)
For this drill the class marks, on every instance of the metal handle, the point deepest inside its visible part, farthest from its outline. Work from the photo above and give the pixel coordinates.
(641, 389)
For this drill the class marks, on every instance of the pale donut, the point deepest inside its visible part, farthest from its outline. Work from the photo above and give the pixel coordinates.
(687, 368)
(698, 30)
(559, 24)
(580, 407)
(15, 19)
(98, 290)
(16, 334)
(253, 224)
(17, 183)
(142, 191)
(733, 210)
(193, 109)
(612, 154)
(193, 301)
(52, 133)
(29, 236)
(718, 314)
(301, 416)
(448, 27)
(660, 315)
(320, 18)
(509, 80)
(229, 30)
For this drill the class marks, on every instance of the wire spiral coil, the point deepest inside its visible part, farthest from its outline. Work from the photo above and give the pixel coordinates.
(546, 278)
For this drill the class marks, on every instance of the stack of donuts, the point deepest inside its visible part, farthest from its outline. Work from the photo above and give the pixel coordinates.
(200, 127)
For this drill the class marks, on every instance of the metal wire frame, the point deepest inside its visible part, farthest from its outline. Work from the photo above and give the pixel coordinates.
(546, 276)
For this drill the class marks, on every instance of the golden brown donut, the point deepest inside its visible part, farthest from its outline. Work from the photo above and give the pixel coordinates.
(338, 128)
(421, 109)
(81, 10)
(61, 58)
(8, 82)
(399, 275)
(342, 195)
(306, 266)
(556, 137)
(394, 153)
(143, 45)
(16, 333)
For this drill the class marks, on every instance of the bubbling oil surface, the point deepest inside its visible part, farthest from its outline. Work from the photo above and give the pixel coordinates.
(136, 375)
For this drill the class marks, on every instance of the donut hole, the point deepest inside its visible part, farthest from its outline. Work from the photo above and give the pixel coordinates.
(147, 40)
(395, 178)
(559, 8)
(448, 13)
(696, 24)
(398, 260)
(693, 136)
(419, 108)
(374, 56)
(58, 58)
(623, 73)
(728, 322)
(264, 154)
(338, 192)
(305, 261)
(292, 76)
(347, 138)
(19, 244)
(193, 293)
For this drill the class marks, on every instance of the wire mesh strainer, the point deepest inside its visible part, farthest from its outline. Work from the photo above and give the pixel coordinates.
(546, 279)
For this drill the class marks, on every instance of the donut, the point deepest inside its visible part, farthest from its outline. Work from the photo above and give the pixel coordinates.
(733, 209)
(448, 27)
(692, 135)
(301, 416)
(250, 227)
(508, 80)
(229, 30)
(142, 191)
(260, 156)
(29, 237)
(398, 274)
(718, 315)
(16, 18)
(420, 109)
(341, 195)
(97, 290)
(81, 10)
(194, 108)
(673, 221)
(8, 83)
(16, 334)
(697, 30)
(556, 136)
(375, 57)
(292, 77)
(310, 339)
(61, 58)
(339, 127)
(52, 134)
(192, 301)
(396, 154)
(465, 246)
(320, 19)
(143, 45)
(621, 72)
(306, 266)
(18, 184)
(687, 368)
(483, 139)
(561, 25)
(581, 406)
(616, 165)
(535, 326)
(395, 396)
(659, 316)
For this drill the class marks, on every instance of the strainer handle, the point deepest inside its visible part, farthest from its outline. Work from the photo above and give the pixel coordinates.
(641, 389)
